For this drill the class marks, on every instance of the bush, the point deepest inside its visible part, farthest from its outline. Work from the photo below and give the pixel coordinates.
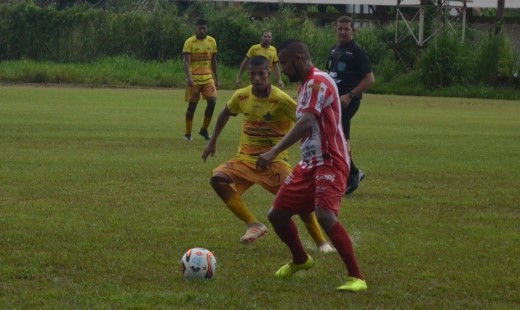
(439, 66)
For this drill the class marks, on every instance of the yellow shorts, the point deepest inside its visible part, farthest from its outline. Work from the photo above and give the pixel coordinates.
(245, 174)
(207, 90)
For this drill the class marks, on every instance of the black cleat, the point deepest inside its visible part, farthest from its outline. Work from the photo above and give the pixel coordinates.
(204, 132)
(353, 182)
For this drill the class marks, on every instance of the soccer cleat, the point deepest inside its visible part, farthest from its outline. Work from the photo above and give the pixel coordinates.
(204, 132)
(326, 248)
(353, 182)
(256, 231)
(187, 137)
(289, 269)
(353, 285)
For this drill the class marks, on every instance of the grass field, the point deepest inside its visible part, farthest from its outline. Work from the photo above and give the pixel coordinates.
(100, 196)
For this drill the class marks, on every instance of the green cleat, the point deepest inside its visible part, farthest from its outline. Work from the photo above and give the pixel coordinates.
(289, 269)
(353, 285)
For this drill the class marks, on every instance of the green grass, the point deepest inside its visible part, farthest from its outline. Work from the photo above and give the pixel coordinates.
(124, 72)
(108, 72)
(100, 196)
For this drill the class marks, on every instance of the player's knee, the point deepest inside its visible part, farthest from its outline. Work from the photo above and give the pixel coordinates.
(277, 217)
(192, 107)
(211, 107)
(217, 181)
(271, 216)
(326, 218)
(212, 101)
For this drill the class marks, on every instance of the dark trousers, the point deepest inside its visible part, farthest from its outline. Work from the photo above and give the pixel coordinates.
(346, 116)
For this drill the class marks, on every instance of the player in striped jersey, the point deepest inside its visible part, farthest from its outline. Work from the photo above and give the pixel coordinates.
(268, 114)
(318, 182)
(201, 70)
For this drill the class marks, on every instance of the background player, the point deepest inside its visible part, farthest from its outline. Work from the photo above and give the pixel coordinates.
(263, 49)
(201, 70)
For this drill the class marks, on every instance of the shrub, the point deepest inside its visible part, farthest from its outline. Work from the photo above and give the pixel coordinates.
(439, 65)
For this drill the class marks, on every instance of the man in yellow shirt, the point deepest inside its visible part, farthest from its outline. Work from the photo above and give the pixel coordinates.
(263, 49)
(269, 114)
(201, 70)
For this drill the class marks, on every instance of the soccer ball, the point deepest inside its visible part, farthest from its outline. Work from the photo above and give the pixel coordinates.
(198, 263)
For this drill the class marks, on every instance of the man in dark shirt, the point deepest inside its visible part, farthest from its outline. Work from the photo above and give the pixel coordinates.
(348, 65)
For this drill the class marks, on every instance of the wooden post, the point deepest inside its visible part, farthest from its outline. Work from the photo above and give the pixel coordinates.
(499, 17)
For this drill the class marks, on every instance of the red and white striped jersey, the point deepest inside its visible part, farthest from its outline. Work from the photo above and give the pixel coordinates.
(325, 142)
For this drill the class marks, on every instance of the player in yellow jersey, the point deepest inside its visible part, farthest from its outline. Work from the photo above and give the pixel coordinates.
(269, 114)
(201, 70)
(263, 49)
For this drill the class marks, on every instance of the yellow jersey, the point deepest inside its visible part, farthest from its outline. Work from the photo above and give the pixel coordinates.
(201, 52)
(269, 53)
(266, 121)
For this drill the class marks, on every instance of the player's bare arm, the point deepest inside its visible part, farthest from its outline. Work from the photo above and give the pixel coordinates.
(222, 120)
(278, 75)
(243, 65)
(214, 68)
(186, 58)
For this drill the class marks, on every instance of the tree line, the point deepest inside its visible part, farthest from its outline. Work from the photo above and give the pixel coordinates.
(83, 33)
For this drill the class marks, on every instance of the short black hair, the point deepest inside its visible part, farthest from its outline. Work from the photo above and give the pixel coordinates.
(296, 45)
(289, 42)
(259, 61)
(202, 22)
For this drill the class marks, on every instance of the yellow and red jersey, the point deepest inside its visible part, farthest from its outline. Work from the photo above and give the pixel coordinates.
(265, 123)
(201, 52)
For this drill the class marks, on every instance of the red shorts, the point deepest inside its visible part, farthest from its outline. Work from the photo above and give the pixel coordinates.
(304, 190)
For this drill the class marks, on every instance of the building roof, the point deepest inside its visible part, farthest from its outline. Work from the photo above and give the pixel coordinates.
(509, 4)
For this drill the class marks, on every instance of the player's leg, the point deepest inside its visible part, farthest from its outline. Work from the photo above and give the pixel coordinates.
(343, 244)
(271, 179)
(340, 239)
(356, 175)
(293, 197)
(328, 202)
(192, 97)
(229, 184)
(210, 93)
(313, 227)
(287, 231)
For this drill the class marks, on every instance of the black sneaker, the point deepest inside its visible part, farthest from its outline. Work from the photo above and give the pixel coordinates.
(204, 132)
(353, 182)
(187, 137)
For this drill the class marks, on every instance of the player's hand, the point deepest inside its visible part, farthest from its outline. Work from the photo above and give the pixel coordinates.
(263, 160)
(345, 100)
(209, 150)
(189, 82)
(281, 84)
